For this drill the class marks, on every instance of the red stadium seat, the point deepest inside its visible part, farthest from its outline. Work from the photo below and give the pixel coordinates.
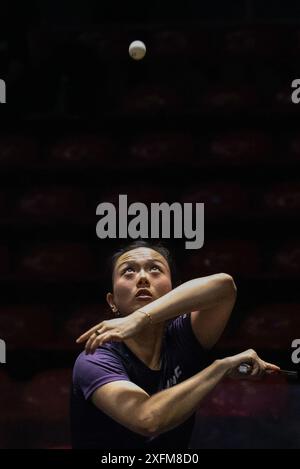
(243, 42)
(139, 193)
(270, 326)
(170, 43)
(17, 149)
(4, 260)
(282, 199)
(11, 392)
(287, 260)
(26, 326)
(60, 447)
(241, 148)
(7, 387)
(229, 99)
(107, 45)
(45, 203)
(3, 205)
(57, 261)
(294, 147)
(150, 100)
(161, 149)
(234, 257)
(240, 42)
(219, 199)
(11, 414)
(232, 398)
(45, 410)
(83, 319)
(294, 43)
(282, 99)
(46, 396)
(83, 150)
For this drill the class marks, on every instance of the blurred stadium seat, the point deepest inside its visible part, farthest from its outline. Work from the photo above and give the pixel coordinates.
(282, 99)
(57, 261)
(220, 199)
(235, 257)
(255, 42)
(241, 148)
(45, 409)
(5, 262)
(106, 44)
(83, 150)
(169, 43)
(26, 326)
(229, 99)
(160, 149)
(3, 205)
(282, 199)
(293, 145)
(46, 396)
(267, 327)
(81, 320)
(244, 414)
(143, 193)
(151, 99)
(8, 396)
(286, 261)
(11, 392)
(243, 398)
(17, 149)
(48, 203)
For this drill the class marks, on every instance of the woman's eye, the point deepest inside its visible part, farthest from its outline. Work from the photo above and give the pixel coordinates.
(128, 269)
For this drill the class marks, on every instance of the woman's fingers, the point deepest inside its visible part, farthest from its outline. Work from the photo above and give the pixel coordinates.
(88, 333)
(258, 369)
(270, 367)
(100, 341)
(255, 369)
(96, 341)
(114, 329)
(262, 368)
(89, 343)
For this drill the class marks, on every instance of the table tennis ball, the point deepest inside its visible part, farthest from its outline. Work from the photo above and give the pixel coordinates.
(137, 50)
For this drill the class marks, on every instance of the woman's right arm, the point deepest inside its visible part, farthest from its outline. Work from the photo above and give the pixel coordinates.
(165, 410)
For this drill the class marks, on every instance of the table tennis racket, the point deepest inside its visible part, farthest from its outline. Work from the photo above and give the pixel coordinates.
(245, 369)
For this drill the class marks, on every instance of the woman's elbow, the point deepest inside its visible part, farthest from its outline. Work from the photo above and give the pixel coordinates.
(227, 285)
(148, 426)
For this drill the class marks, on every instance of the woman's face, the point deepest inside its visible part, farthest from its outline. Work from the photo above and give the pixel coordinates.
(140, 276)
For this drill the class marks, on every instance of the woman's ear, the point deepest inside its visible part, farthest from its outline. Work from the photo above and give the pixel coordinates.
(110, 301)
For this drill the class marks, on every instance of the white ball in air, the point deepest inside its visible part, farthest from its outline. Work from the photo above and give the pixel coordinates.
(137, 50)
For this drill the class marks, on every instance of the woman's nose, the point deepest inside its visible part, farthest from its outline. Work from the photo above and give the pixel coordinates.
(143, 279)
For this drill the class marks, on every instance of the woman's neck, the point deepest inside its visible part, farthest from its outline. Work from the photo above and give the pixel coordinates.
(147, 345)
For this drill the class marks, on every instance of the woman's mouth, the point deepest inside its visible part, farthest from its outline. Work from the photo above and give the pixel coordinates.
(143, 294)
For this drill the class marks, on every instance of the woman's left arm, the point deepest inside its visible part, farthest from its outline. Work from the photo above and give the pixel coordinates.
(209, 299)
(209, 323)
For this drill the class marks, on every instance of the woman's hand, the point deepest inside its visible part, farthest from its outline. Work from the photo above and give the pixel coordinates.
(258, 367)
(113, 329)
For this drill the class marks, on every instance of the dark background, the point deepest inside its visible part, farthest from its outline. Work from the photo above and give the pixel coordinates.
(207, 117)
